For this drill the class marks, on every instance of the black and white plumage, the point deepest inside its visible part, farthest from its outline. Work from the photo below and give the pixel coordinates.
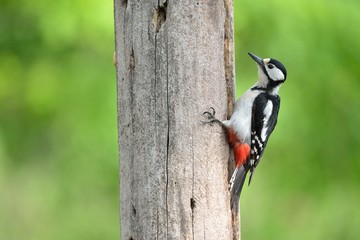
(264, 118)
(255, 117)
(253, 120)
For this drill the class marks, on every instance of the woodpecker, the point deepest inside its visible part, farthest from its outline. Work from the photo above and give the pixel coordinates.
(253, 120)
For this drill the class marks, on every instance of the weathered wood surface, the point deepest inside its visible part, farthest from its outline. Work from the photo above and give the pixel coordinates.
(174, 61)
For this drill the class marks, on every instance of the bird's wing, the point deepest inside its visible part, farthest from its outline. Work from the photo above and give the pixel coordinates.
(264, 117)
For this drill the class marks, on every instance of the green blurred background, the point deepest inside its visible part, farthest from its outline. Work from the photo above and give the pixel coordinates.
(58, 130)
(58, 136)
(308, 183)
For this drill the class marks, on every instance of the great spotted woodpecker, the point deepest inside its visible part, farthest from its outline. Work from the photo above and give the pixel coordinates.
(253, 120)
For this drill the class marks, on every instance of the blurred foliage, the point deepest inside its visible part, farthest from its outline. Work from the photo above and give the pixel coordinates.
(308, 183)
(58, 137)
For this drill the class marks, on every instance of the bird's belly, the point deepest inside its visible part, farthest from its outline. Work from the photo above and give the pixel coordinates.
(241, 124)
(240, 121)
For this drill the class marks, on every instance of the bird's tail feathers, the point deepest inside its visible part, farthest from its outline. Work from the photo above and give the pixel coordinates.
(236, 184)
(252, 170)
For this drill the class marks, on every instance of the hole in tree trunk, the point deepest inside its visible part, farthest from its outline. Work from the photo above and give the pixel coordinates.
(124, 3)
(133, 210)
(192, 203)
(159, 17)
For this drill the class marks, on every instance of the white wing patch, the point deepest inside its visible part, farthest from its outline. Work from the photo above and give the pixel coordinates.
(267, 113)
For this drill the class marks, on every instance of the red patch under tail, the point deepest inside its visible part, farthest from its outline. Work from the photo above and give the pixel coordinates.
(241, 150)
(242, 153)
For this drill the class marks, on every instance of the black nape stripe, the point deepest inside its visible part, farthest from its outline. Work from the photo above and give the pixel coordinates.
(270, 86)
(258, 88)
(279, 65)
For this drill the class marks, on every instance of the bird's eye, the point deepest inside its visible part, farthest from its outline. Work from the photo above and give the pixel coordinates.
(270, 66)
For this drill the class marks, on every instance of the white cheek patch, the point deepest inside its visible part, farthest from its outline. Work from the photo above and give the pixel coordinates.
(275, 74)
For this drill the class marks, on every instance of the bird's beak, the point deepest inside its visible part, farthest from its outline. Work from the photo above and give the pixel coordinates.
(258, 60)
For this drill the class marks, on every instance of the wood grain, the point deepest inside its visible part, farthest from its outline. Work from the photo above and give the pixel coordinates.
(174, 61)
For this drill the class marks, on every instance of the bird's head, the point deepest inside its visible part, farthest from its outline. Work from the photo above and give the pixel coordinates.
(272, 73)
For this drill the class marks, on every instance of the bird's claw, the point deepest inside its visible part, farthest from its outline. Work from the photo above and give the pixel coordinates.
(211, 117)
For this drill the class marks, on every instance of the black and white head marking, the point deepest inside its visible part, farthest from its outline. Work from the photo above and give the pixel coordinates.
(274, 69)
(272, 73)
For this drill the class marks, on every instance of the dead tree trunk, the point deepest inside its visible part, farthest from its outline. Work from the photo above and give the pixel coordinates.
(174, 61)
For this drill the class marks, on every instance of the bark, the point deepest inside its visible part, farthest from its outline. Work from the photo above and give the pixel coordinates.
(174, 61)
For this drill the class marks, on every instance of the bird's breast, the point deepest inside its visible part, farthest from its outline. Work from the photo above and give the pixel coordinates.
(240, 120)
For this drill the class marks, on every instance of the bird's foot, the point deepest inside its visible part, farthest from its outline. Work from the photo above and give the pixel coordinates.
(211, 117)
